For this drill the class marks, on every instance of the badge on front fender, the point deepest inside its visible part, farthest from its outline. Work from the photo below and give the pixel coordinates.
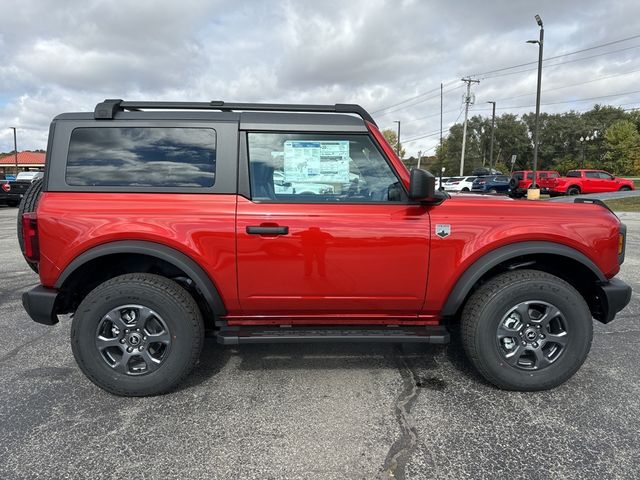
(443, 230)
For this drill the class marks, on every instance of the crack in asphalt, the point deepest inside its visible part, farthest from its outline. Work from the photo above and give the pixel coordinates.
(402, 449)
(14, 352)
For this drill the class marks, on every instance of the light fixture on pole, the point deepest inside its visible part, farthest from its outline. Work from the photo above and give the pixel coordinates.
(15, 148)
(540, 43)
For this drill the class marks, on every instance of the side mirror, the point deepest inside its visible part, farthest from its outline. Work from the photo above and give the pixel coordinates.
(422, 185)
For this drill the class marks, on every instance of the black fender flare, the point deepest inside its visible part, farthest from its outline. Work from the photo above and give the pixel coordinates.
(178, 259)
(485, 263)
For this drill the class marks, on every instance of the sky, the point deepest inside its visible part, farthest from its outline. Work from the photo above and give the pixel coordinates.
(388, 56)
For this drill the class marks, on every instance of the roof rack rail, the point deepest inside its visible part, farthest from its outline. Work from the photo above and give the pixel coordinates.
(107, 109)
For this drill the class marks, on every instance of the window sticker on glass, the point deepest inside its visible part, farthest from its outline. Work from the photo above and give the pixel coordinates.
(316, 161)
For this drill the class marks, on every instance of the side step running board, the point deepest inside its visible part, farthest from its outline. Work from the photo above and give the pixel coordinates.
(270, 334)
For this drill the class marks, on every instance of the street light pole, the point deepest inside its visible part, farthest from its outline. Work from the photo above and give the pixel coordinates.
(15, 148)
(540, 43)
(493, 125)
(398, 140)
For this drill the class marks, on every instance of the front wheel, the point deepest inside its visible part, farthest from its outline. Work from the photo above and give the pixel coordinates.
(493, 190)
(527, 330)
(137, 335)
(625, 189)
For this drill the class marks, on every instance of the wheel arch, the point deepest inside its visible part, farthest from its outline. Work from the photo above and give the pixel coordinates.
(560, 260)
(128, 256)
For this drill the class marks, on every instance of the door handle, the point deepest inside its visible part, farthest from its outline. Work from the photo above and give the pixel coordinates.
(262, 230)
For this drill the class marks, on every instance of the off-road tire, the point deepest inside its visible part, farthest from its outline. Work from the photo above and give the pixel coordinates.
(164, 296)
(29, 204)
(573, 190)
(485, 309)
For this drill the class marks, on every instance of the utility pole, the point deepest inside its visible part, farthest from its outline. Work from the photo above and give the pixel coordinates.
(540, 43)
(419, 157)
(467, 101)
(398, 139)
(15, 148)
(493, 125)
(441, 145)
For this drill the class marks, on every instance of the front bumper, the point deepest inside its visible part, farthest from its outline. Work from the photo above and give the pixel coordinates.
(614, 296)
(40, 302)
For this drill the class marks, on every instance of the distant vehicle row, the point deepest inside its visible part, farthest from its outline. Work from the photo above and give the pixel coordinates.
(12, 191)
(550, 182)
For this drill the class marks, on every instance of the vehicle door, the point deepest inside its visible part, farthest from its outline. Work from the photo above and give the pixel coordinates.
(607, 182)
(592, 183)
(356, 246)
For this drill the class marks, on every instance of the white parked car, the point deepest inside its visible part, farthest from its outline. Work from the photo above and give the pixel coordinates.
(459, 184)
(444, 180)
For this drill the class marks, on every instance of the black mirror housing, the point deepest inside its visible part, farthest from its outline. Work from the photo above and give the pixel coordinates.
(422, 185)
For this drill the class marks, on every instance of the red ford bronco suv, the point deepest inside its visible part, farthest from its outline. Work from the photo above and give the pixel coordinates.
(522, 180)
(158, 221)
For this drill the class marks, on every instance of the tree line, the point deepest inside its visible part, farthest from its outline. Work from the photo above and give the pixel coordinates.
(604, 137)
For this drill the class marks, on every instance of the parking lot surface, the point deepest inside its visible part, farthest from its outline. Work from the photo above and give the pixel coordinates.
(326, 411)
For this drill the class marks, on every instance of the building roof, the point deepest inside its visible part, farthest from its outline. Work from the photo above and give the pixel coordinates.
(24, 158)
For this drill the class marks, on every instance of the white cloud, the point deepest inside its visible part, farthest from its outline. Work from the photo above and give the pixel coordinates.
(68, 55)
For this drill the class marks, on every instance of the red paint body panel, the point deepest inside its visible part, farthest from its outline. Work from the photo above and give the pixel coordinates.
(336, 258)
(481, 224)
(200, 226)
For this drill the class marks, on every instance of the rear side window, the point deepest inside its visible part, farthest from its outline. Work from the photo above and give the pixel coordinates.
(142, 157)
(573, 173)
(592, 175)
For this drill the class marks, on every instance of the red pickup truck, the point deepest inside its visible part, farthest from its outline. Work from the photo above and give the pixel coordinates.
(151, 227)
(588, 181)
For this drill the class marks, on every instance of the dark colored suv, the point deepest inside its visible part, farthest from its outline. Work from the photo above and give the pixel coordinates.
(158, 221)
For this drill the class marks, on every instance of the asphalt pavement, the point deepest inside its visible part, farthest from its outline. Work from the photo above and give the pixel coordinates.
(341, 411)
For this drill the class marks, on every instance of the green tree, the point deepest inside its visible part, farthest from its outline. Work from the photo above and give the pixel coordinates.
(622, 141)
(392, 139)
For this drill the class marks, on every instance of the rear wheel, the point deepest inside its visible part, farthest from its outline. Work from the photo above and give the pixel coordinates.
(527, 330)
(29, 204)
(573, 190)
(137, 335)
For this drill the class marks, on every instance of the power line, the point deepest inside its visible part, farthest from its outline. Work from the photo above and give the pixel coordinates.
(413, 98)
(559, 56)
(419, 101)
(572, 85)
(567, 101)
(561, 63)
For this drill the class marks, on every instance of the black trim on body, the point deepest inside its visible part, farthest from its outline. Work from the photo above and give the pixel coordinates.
(471, 276)
(615, 295)
(168, 254)
(39, 302)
